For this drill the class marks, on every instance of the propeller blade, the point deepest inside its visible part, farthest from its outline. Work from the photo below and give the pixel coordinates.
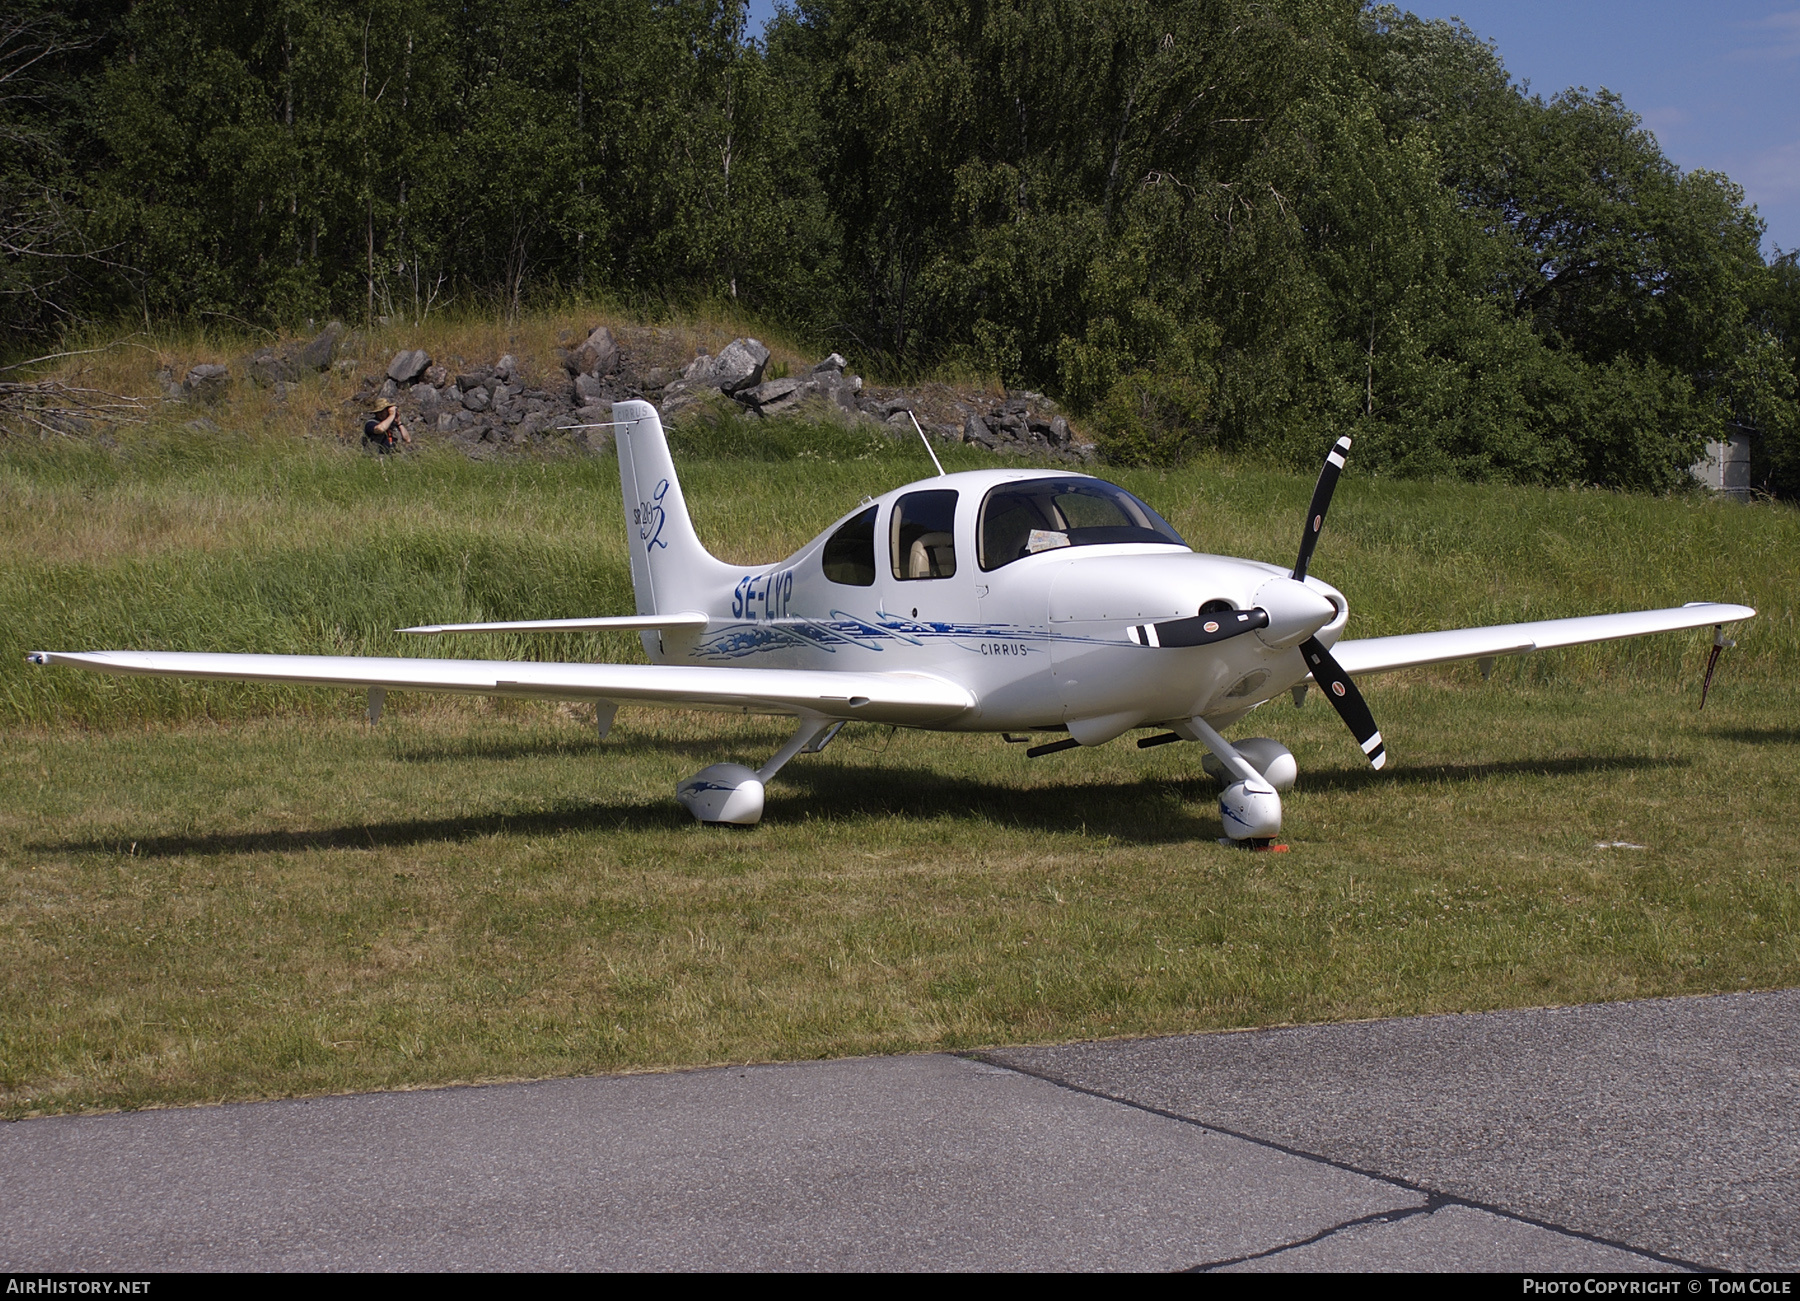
(1321, 502)
(1202, 630)
(1335, 685)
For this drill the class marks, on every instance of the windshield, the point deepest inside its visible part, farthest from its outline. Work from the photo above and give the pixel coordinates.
(1022, 519)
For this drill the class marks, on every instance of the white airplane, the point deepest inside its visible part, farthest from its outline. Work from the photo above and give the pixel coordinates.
(1007, 600)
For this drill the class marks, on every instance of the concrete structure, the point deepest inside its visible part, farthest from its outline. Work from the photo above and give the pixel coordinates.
(1726, 466)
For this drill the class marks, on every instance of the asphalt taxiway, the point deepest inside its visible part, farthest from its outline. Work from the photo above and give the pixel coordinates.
(1652, 1135)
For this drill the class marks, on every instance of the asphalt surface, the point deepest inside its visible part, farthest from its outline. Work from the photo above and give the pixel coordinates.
(1637, 1136)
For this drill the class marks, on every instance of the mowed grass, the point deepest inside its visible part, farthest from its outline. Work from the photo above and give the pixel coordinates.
(212, 892)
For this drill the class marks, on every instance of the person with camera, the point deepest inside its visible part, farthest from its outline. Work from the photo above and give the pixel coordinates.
(380, 431)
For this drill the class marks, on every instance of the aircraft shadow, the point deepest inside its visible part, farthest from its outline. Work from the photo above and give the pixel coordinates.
(1360, 778)
(1756, 735)
(1136, 812)
(383, 835)
(1133, 812)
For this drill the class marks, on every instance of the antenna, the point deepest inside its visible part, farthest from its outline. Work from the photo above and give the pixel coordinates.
(933, 455)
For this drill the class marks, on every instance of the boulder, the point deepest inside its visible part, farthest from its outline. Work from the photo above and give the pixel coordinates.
(769, 391)
(589, 389)
(476, 399)
(266, 368)
(739, 366)
(834, 362)
(436, 376)
(507, 367)
(597, 355)
(390, 391)
(208, 383)
(975, 430)
(480, 377)
(408, 366)
(317, 353)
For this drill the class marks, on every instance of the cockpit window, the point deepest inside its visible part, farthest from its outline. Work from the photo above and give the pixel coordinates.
(849, 555)
(924, 534)
(1022, 519)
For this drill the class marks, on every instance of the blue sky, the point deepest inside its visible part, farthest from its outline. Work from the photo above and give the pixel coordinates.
(1718, 83)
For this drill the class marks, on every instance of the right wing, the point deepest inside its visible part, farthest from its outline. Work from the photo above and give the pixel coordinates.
(906, 699)
(1409, 650)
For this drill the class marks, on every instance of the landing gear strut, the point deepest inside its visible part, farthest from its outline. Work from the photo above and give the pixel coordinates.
(1249, 806)
(733, 794)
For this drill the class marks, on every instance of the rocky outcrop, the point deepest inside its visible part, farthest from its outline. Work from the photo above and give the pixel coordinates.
(1020, 423)
(508, 404)
(207, 383)
(408, 366)
(595, 356)
(317, 353)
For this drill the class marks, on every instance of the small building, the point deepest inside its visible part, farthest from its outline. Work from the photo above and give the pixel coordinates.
(1725, 468)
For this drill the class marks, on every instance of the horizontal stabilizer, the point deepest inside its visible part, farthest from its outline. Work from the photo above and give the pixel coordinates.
(1382, 654)
(900, 698)
(617, 623)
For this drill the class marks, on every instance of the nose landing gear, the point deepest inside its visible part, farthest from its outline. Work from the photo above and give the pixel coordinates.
(1255, 773)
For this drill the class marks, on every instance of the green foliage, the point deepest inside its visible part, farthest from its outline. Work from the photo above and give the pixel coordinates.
(1320, 215)
(1153, 419)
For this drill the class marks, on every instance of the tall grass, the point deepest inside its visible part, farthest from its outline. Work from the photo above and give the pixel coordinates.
(190, 912)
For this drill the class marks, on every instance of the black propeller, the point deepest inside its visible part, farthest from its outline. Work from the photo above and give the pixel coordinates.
(1321, 502)
(1346, 699)
(1202, 630)
(1207, 629)
(1327, 672)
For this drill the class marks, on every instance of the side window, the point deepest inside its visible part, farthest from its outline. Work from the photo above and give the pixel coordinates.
(923, 534)
(849, 554)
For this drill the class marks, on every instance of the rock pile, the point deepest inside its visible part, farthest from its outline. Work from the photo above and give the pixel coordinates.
(509, 403)
(505, 403)
(271, 368)
(1019, 424)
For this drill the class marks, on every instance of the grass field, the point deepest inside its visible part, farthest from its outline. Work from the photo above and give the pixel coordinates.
(214, 892)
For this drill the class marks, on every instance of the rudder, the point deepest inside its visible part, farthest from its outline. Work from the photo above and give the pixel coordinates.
(670, 570)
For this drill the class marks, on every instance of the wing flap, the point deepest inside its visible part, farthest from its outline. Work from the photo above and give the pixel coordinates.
(614, 623)
(902, 698)
(1410, 650)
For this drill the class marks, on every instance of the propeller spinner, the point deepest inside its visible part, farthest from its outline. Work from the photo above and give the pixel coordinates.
(1290, 611)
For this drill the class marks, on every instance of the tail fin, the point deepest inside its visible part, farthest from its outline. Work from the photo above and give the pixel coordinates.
(670, 570)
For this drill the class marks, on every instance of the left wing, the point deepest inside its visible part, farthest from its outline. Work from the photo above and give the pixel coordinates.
(902, 698)
(1381, 654)
(610, 623)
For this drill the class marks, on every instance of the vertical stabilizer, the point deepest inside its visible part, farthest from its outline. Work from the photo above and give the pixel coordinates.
(670, 570)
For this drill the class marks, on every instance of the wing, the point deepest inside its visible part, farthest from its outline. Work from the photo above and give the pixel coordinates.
(1380, 654)
(908, 699)
(616, 623)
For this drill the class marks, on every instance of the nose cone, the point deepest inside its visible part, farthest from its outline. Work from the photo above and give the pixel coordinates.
(1296, 612)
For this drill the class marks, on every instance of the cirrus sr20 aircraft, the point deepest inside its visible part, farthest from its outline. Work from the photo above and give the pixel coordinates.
(1007, 600)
